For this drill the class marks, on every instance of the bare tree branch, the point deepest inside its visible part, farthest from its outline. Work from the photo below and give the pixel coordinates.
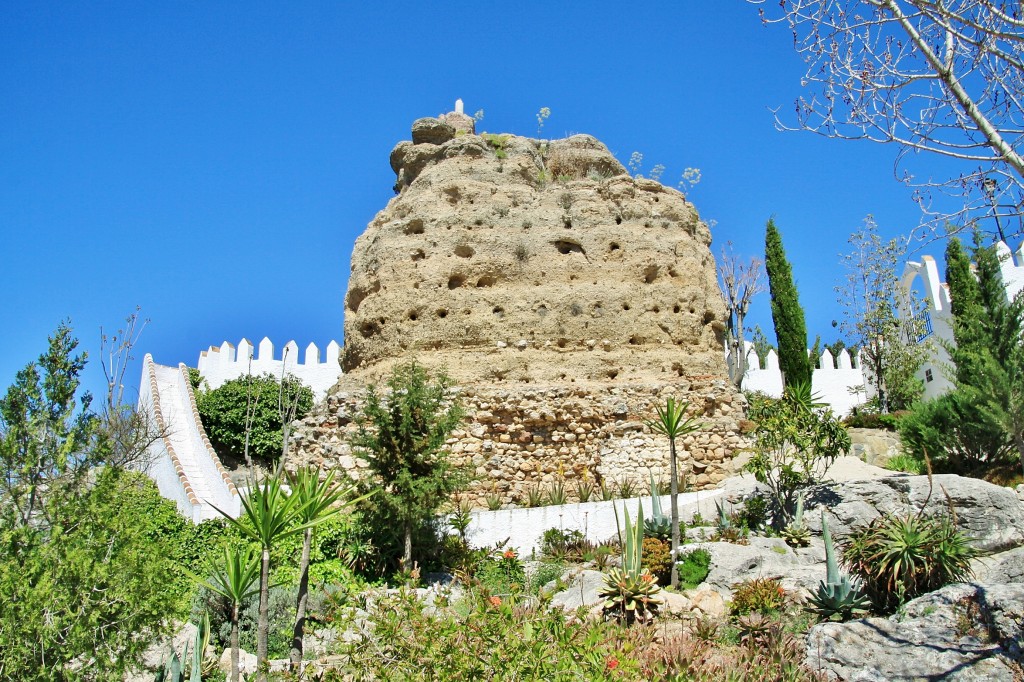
(739, 283)
(938, 76)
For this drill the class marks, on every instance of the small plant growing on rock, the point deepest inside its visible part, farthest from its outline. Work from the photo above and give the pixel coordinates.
(630, 590)
(839, 597)
(759, 594)
(493, 498)
(694, 568)
(797, 534)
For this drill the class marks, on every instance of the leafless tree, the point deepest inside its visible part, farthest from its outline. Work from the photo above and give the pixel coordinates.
(939, 76)
(740, 282)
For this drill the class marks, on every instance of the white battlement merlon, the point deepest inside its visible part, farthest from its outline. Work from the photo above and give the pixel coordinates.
(219, 365)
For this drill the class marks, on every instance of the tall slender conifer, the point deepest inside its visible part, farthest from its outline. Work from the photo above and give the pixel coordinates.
(788, 316)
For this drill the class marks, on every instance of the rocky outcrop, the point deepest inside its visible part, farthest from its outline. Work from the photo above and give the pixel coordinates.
(991, 515)
(961, 632)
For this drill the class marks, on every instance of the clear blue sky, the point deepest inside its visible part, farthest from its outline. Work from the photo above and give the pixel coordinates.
(214, 162)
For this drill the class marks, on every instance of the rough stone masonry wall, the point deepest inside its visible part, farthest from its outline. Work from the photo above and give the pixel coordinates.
(515, 438)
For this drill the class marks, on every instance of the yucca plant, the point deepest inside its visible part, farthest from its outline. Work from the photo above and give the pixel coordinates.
(630, 590)
(236, 579)
(584, 487)
(796, 534)
(658, 526)
(839, 597)
(626, 487)
(317, 500)
(556, 493)
(269, 514)
(673, 423)
(534, 496)
(607, 492)
(900, 557)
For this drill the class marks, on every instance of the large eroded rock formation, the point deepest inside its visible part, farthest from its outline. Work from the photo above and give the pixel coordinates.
(563, 296)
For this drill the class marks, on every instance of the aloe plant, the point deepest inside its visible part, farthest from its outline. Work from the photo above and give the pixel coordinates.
(629, 591)
(796, 533)
(838, 597)
(659, 525)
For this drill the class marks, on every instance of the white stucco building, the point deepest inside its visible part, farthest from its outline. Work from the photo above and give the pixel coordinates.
(939, 317)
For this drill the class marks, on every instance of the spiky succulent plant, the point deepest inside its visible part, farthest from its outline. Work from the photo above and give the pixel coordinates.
(797, 534)
(839, 597)
(629, 592)
(658, 526)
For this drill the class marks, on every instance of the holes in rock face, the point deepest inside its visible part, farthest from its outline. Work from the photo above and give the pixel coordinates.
(357, 295)
(625, 306)
(542, 311)
(576, 310)
(672, 272)
(368, 329)
(413, 315)
(442, 313)
(618, 220)
(416, 285)
(499, 311)
(565, 247)
(478, 222)
(562, 343)
(650, 274)
(414, 226)
(677, 368)
(676, 308)
(614, 246)
(456, 281)
(567, 222)
(656, 309)
(692, 310)
(656, 200)
(464, 251)
(418, 254)
(467, 311)
(486, 281)
(452, 194)
(573, 278)
(598, 310)
(709, 317)
(636, 340)
(612, 373)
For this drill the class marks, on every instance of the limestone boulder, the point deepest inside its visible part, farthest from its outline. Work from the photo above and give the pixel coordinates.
(431, 131)
(961, 632)
(799, 570)
(582, 590)
(246, 662)
(1002, 567)
(992, 515)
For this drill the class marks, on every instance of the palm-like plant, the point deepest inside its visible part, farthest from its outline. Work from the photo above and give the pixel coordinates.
(317, 500)
(673, 422)
(236, 579)
(268, 515)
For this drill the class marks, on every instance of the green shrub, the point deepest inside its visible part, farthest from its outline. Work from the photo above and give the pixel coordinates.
(223, 412)
(754, 513)
(656, 557)
(545, 572)
(870, 420)
(502, 573)
(900, 557)
(765, 595)
(906, 463)
(694, 568)
(559, 543)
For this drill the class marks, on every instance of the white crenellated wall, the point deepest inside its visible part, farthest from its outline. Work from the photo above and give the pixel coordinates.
(838, 382)
(935, 371)
(218, 365)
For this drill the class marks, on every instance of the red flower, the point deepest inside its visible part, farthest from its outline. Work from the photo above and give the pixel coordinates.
(612, 663)
(495, 601)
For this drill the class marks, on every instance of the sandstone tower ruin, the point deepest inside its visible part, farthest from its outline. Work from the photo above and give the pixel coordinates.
(563, 296)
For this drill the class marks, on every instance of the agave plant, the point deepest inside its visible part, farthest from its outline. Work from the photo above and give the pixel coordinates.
(174, 671)
(838, 597)
(658, 526)
(585, 488)
(629, 592)
(796, 534)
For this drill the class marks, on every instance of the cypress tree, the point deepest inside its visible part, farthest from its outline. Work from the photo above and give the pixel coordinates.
(788, 316)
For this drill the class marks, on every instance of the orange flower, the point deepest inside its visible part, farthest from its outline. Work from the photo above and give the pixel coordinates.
(510, 554)
(612, 663)
(647, 577)
(495, 601)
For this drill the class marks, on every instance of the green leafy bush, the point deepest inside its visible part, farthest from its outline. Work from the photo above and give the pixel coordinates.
(559, 543)
(754, 514)
(657, 558)
(694, 568)
(765, 595)
(543, 573)
(502, 573)
(223, 412)
(870, 420)
(900, 557)
(906, 463)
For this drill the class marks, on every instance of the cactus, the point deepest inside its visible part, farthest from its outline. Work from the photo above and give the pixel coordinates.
(629, 591)
(659, 525)
(838, 597)
(797, 534)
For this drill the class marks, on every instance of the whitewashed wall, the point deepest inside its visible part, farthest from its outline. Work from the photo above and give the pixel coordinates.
(524, 527)
(838, 382)
(218, 365)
